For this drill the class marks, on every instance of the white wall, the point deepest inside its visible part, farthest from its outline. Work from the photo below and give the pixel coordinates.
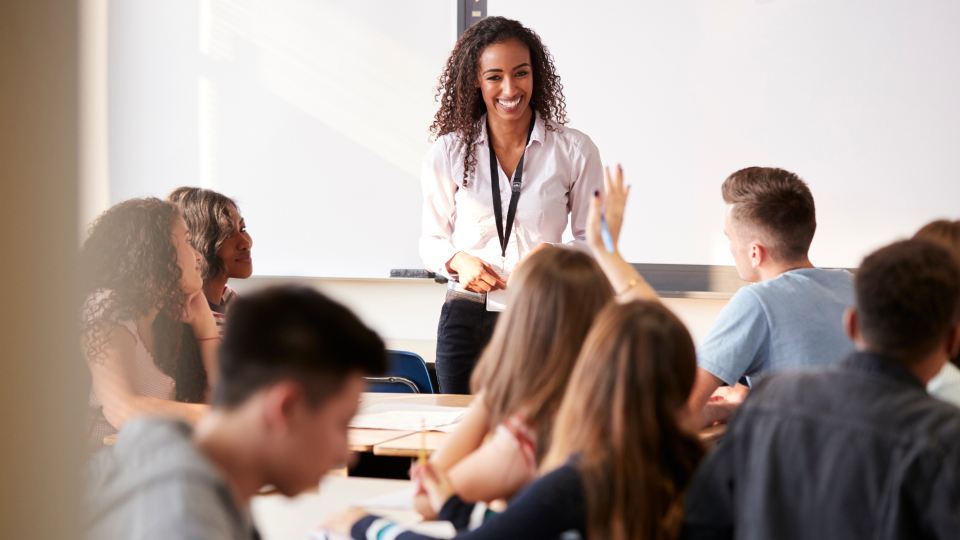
(314, 114)
(406, 312)
(856, 96)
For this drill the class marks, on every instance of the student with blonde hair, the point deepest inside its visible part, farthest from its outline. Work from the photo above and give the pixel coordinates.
(620, 459)
(520, 378)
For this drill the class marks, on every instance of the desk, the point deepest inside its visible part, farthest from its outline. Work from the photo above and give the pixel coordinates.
(402, 443)
(364, 440)
(409, 446)
(278, 517)
(444, 400)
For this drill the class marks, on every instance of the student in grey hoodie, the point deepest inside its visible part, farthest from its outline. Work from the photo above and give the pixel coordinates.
(292, 364)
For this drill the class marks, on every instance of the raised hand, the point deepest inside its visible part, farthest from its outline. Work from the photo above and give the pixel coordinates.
(616, 200)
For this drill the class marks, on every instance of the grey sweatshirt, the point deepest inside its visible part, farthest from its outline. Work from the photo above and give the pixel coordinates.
(154, 483)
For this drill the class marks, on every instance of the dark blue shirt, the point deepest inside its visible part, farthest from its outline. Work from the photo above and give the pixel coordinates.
(856, 450)
(551, 507)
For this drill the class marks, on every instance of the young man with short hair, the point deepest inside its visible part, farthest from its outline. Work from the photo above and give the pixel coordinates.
(790, 316)
(857, 449)
(291, 372)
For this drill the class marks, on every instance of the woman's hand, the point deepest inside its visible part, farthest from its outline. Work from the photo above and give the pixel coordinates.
(341, 522)
(433, 483)
(197, 314)
(616, 201)
(475, 274)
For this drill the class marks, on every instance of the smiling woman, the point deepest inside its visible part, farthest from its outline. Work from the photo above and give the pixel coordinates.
(219, 233)
(501, 116)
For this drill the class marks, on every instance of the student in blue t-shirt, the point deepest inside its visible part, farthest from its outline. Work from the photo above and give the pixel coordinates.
(789, 317)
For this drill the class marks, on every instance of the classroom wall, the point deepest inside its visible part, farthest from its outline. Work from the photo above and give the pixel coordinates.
(406, 311)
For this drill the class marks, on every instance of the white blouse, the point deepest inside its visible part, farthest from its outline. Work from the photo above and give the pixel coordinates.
(561, 170)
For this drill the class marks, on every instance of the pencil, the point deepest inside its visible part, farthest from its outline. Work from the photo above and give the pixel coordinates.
(422, 453)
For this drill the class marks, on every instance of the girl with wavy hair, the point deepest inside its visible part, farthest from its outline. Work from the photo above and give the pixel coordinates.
(620, 458)
(219, 233)
(147, 333)
(503, 177)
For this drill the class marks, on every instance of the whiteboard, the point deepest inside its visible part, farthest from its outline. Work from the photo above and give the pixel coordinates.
(313, 114)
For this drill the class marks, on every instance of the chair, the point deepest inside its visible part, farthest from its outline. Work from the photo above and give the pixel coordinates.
(407, 374)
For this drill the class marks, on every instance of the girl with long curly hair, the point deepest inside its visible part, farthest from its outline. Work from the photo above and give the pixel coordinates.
(147, 333)
(219, 233)
(621, 456)
(502, 178)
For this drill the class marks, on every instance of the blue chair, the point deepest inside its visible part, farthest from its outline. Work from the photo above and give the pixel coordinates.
(407, 374)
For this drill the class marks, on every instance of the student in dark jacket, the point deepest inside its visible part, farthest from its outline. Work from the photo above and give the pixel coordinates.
(857, 450)
(619, 460)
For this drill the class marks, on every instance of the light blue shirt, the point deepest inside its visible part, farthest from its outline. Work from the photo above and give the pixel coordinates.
(946, 385)
(792, 321)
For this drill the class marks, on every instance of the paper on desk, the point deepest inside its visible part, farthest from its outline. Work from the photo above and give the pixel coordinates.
(408, 417)
(401, 499)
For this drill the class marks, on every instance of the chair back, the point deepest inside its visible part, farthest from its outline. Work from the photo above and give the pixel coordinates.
(407, 374)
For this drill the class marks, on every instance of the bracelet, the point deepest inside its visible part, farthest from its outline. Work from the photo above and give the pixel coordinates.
(208, 338)
(633, 283)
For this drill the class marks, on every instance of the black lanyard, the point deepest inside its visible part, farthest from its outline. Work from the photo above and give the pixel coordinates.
(514, 188)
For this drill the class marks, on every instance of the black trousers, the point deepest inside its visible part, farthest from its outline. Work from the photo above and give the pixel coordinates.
(464, 330)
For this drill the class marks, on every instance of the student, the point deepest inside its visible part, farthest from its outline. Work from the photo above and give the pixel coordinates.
(790, 317)
(219, 233)
(502, 117)
(148, 336)
(857, 449)
(555, 296)
(619, 462)
(292, 365)
(946, 385)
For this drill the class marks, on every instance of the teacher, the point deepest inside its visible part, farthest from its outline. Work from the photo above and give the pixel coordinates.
(501, 179)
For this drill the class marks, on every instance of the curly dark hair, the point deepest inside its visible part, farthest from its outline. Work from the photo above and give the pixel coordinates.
(207, 214)
(461, 104)
(128, 266)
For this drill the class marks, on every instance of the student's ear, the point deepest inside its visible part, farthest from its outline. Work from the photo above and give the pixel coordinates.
(851, 325)
(758, 254)
(280, 404)
(953, 342)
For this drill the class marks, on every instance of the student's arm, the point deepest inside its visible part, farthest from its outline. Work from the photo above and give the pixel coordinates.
(111, 383)
(467, 437)
(496, 470)
(624, 278)
(705, 411)
(734, 347)
(204, 326)
(548, 508)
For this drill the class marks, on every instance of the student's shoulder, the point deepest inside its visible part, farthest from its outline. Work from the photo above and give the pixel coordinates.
(563, 482)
